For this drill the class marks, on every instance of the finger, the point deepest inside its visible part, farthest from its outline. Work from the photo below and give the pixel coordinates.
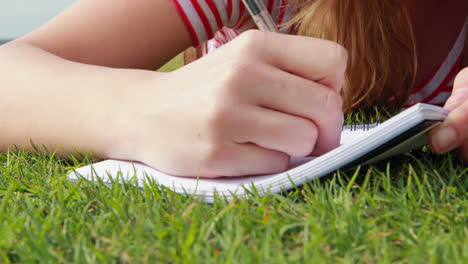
(245, 159)
(460, 91)
(315, 59)
(452, 133)
(275, 130)
(290, 94)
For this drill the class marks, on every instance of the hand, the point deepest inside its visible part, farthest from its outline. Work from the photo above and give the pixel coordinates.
(453, 132)
(244, 109)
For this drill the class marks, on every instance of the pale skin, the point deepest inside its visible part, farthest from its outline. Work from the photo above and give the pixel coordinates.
(85, 82)
(453, 133)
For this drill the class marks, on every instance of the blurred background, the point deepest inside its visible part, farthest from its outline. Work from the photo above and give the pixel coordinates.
(19, 17)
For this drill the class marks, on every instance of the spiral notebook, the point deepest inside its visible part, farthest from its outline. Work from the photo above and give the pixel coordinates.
(359, 145)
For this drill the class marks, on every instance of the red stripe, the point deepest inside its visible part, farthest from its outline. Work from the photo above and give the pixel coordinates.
(408, 105)
(270, 6)
(447, 88)
(187, 22)
(229, 8)
(220, 39)
(215, 12)
(242, 23)
(283, 6)
(204, 19)
(217, 40)
(233, 33)
(222, 33)
(419, 88)
(228, 34)
(292, 30)
(443, 85)
(241, 13)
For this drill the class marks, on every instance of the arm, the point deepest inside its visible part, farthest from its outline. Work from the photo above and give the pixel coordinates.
(51, 99)
(140, 34)
(244, 109)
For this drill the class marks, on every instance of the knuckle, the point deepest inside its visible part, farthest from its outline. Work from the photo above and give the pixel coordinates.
(333, 101)
(335, 106)
(249, 41)
(306, 139)
(461, 78)
(209, 157)
(241, 67)
(337, 56)
(233, 78)
(220, 113)
(209, 152)
(251, 36)
(341, 55)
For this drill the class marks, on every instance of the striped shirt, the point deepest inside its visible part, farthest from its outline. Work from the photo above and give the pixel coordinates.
(220, 21)
(216, 22)
(438, 88)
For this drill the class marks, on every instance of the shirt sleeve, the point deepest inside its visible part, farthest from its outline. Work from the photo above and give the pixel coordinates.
(203, 18)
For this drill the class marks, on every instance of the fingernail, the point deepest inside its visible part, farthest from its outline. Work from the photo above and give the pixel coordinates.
(444, 139)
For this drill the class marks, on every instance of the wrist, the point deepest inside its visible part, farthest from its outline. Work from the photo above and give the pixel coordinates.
(124, 113)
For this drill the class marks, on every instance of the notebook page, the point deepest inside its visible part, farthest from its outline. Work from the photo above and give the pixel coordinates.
(355, 142)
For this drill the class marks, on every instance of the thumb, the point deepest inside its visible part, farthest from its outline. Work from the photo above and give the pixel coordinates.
(452, 133)
(460, 91)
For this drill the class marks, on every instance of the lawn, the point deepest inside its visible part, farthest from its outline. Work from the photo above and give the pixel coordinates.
(411, 209)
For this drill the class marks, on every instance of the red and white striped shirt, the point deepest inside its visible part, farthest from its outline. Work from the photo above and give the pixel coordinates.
(220, 21)
(438, 88)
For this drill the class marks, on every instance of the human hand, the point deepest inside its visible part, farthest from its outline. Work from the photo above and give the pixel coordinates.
(453, 132)
(244, 109)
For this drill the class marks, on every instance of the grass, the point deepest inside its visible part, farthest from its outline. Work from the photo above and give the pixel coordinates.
(411, 209)
(173, 64)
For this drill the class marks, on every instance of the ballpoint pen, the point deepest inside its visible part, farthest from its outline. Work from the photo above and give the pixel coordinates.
(260, 15)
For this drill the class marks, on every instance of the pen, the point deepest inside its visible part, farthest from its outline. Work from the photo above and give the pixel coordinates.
(260, 15)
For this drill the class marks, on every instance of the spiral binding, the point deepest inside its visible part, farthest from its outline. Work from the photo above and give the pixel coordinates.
(359, 126)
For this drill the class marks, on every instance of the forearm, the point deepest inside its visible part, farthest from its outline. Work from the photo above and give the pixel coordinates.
(49, 101)
(140, 34)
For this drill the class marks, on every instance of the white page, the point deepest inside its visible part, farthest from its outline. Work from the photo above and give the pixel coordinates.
(354, 145)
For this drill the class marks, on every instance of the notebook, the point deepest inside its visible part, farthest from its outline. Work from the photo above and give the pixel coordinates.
(359, 145)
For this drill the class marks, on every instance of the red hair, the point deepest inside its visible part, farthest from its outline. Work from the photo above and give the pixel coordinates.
(379, 37)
